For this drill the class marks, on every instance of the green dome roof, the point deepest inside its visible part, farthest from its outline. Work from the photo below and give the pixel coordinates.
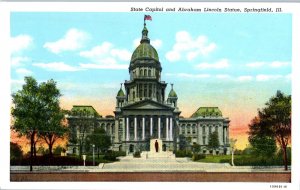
(207, 112)
(121, 93)
(172, 93)
(144, 50)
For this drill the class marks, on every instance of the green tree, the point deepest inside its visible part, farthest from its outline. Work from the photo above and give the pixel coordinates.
(196, 148)
(27, 112)
(213, 141)
(274, 121)
(33, 110)
(100, 139)
(53, 127)
(15, 151)
(183, 144)
(261, 139)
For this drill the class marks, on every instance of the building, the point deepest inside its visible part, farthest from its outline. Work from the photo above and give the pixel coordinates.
(144, 111)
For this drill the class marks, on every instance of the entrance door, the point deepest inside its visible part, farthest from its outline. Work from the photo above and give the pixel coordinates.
(131, 148)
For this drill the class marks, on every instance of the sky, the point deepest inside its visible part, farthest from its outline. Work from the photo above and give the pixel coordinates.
(232, 61)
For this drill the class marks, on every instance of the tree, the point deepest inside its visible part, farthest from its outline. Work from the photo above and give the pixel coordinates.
(33, 110)
(196, 148)
(27, 112)
(261, 140)
(53, 127)
(183, 144)
(15, 151)
(274, 121)
(100, 139)
(213, 141)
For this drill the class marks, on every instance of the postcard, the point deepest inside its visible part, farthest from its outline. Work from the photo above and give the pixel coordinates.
(107, 94)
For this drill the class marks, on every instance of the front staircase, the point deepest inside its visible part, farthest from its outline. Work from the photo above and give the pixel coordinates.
(157, 155)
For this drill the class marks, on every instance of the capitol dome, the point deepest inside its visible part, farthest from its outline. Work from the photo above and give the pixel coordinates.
(145, 53)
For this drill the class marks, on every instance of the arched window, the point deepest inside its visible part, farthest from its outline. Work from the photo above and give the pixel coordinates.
(141, 72)
(145, 72)
(149, 72)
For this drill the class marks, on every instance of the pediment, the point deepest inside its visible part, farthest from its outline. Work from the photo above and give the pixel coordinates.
(147, 105)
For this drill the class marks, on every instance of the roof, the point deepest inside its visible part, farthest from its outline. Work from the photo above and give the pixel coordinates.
(207, 112)
(144, 51)
(89, 110)
(172, 93)
(121, 93)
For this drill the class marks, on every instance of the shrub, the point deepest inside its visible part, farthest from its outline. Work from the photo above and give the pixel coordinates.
(15, 151)
(137, 154)
(196, 157)
(111, 156)
(120, 153)
(183, 153)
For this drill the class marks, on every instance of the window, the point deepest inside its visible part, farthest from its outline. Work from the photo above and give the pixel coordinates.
(145, 72)
(194, 129)
(145, 90)
(149, 72)
(150, 90)
(141, 72)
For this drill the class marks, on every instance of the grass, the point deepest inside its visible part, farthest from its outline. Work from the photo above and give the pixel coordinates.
(219, 158)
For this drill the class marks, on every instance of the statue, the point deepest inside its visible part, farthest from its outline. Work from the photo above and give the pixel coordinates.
(156, 146)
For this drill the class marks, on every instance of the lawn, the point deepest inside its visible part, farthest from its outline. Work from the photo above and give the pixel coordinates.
(219, 158)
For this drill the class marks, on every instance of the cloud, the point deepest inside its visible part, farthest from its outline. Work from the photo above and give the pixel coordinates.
(105, 56)
(274, 64)
(106, 50)
(255, 64)
(267, 77)
(18, 61)
(188, 75)
(155, 43)
(277, 64)
(288, 76)
(57, 66)
(103, 66)
(244, 78)
(20, 43)
(74, 39)
(23, 71)
(221, 64)
(224, 76)
(188, 47)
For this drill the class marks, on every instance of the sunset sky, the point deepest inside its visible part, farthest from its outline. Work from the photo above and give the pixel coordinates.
(232, 61)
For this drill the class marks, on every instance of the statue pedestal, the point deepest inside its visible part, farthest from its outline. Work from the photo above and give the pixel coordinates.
(160, 154)
(152, 145)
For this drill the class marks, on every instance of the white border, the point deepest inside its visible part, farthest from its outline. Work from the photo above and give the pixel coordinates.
(6, 7)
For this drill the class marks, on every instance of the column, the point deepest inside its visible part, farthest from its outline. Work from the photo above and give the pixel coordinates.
(143, 128)
(159, 127)
(171, 128)
(200, 141)
(151, 126)
(116, 130)
(123, 129)
(135, 129)
(167, 128)
(227, 135)
(220, 135)
(180, 129)
(207, 134)
(127, 129)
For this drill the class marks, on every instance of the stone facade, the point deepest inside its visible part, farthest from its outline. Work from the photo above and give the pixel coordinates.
(143, 112)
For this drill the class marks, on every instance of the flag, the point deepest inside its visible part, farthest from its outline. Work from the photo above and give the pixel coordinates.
(147, 17)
